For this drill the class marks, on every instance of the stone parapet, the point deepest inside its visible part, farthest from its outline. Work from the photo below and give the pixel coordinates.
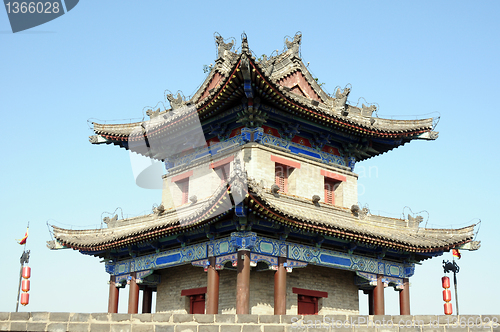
(78, 322)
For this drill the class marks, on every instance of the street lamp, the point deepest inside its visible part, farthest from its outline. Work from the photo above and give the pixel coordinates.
(452, 267)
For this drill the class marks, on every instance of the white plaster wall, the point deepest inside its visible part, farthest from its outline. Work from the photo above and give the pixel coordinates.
(304, 182)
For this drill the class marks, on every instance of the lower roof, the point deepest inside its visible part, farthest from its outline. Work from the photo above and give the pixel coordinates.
(298, 214)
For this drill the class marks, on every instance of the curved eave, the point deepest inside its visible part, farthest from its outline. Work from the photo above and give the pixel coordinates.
(229, 91)
(316, 113)
(369, 236)
(149, 227)
(151, 234)
(119, 134)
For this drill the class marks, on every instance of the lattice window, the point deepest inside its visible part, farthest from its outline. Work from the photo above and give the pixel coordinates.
(330, 186)
(281, 176)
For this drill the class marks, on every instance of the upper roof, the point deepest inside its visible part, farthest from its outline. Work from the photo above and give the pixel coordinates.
(250, 91)
(301, 216)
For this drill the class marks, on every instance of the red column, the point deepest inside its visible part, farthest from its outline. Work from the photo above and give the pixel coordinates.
(378, 297)
(404, 298)
(212, 288)
(280, 288)
(243, 283)
(133, 297)
(147, 300)
(113, 296)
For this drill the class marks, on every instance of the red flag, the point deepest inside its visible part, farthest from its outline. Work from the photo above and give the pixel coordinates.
(25, 238)
(456, 253)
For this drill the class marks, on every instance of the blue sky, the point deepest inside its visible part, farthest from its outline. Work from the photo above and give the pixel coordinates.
(108, 60)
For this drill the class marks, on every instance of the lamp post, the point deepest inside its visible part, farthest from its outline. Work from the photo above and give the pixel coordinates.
(452, 267)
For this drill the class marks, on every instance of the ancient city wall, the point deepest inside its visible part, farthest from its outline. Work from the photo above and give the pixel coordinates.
(101, 322)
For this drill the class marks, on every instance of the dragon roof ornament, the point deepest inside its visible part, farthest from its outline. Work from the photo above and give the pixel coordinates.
(175, 103)
(294, 45)
(222, 47)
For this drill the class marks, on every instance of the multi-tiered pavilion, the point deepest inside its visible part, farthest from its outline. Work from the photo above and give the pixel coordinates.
(259, 212)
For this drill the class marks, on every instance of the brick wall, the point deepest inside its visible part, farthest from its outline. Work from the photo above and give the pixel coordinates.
(173, 281)
(262, 292)
(227, 292)
(339, 284)
(342, 292)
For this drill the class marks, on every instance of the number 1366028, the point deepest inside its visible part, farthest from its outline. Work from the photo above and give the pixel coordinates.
(33, 7)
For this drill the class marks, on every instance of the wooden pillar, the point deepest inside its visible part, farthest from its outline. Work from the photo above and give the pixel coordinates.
(212, 288)
(378, 297)
(243, 283)
(113, 296)
(133, 297)
(370, 302)
(147, 300)
(404, 298)
(280, 288)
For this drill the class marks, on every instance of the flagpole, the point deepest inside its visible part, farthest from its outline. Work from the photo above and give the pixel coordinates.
(19, 287)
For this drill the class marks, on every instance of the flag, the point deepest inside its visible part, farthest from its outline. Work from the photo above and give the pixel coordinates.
(25, 238)
(456, 253)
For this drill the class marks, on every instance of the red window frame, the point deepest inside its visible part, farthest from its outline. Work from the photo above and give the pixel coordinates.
(223, 172)
(184, 186)
(307, 305)
(222, 168)
(282, 169)
(332, 181)
(197, 304)
(196, 299)
(182, 180)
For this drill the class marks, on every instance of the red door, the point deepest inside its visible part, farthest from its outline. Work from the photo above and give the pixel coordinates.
(197, 304)
(307, 305)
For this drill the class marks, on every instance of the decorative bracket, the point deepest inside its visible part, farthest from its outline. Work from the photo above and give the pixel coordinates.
(252, 134)
(289, 130)
(352, 246)
(381, 254)
(240, 210)
(319, 141)
(251, 116)
(243, 240)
